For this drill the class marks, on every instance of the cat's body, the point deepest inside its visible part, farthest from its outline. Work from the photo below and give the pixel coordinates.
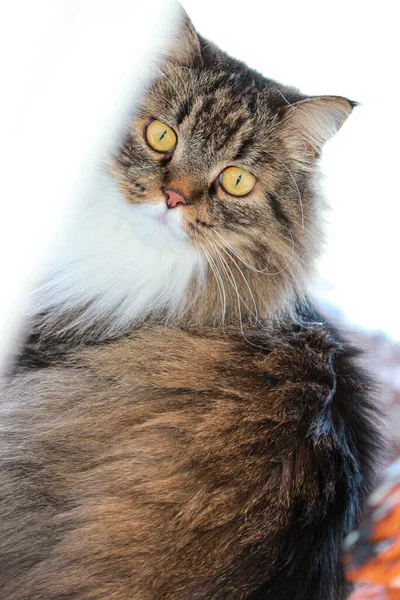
(180, 425)
(186, 465)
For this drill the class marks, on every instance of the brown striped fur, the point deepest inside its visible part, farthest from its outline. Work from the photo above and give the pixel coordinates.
(184, 465)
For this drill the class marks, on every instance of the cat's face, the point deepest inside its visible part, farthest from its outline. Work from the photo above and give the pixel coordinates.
(202, 159)
(218, 158)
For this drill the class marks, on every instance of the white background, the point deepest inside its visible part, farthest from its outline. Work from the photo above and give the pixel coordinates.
(342, 48)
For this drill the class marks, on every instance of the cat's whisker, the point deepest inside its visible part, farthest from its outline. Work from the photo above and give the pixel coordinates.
(198, 286)
(119, 174)
(125, 177)
(291, 256)
(289, 104)
(218, 279)
(238, 302)
(232, 280)
(260, 271)
(245, 281)
(228, 245)
(237, 296)
(185, 68)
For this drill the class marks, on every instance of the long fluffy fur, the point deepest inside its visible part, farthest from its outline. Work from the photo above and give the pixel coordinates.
(186, 465)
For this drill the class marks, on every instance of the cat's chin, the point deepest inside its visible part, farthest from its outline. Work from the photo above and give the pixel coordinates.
(157, 226)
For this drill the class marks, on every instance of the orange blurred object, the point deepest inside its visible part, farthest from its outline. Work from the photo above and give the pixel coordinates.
(372, 553)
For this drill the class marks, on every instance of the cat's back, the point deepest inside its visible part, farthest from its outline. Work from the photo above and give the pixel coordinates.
(184, 464)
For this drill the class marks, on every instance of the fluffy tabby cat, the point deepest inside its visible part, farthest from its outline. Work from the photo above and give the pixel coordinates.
(181, 425)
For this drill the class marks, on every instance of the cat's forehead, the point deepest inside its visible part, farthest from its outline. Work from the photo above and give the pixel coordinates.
(178, 91)
(222, 111)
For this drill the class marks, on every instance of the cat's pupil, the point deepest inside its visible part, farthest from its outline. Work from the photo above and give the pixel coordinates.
(238, 180)
(164, 133)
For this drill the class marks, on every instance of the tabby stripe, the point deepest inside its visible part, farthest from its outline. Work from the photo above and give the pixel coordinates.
(246, 144)
(184, 111)
(230, 133)
(278, 210)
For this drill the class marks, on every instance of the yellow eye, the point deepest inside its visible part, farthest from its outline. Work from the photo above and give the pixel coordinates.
(237, 181)
(160, 137)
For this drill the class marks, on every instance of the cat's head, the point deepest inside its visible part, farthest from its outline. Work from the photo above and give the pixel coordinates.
(221, 159)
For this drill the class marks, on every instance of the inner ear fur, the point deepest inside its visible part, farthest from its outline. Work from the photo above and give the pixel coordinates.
(309, 123)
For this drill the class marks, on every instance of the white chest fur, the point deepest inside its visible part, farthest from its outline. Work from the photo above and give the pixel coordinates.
(119, 262)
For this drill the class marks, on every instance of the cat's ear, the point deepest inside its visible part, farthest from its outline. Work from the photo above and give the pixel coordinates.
(307, 124)
(184, 48)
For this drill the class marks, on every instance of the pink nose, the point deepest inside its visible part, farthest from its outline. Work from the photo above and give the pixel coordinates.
(174, 199)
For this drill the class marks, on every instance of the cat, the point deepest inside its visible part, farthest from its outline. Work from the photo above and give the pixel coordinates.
(181, 423)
